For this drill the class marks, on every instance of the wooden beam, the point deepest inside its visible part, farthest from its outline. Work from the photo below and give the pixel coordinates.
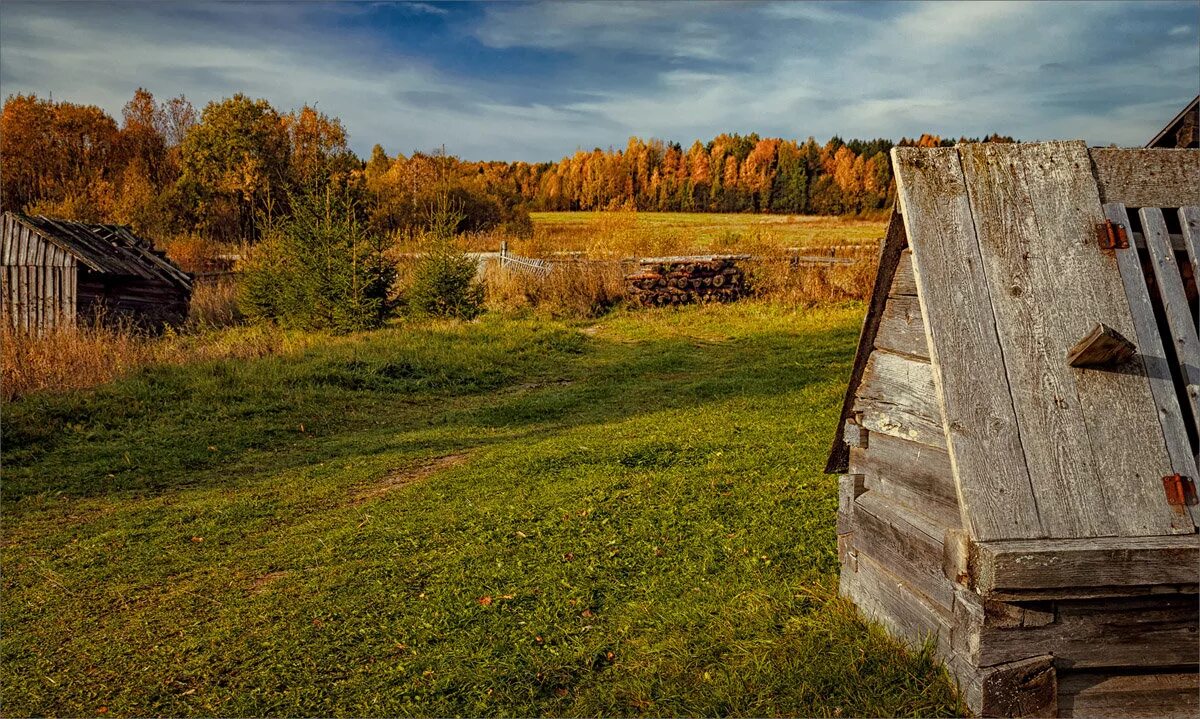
(1102, 347)
(1147, 177)
(1071, 563)
(1189, 222)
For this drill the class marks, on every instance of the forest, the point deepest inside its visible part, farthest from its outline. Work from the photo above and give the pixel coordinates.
(223, 172)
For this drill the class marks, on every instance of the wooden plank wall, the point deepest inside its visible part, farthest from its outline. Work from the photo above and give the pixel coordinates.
(38, 280)
(1010, 278)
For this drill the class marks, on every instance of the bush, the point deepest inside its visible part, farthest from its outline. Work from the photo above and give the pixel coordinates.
(317, 269)
(444, 283)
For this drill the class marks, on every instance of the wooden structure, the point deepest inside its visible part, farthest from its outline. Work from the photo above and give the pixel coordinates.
(1183, 131)
(1018, 483)
(55, 271)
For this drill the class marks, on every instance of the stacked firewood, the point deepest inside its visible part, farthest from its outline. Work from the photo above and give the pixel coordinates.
(681, 280)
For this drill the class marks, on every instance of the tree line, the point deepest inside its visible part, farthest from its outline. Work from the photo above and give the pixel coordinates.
(228, 171)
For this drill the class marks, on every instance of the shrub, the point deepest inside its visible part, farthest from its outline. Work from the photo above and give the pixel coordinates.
(443, 283)
(317, 268)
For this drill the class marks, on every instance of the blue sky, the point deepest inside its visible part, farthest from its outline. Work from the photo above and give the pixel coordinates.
(536, 81)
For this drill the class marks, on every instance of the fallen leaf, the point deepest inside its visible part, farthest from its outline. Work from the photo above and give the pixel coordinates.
(587, 613)
(197, 539)
(569, 556)
(521, 535)
(102, 710)
(485, 600)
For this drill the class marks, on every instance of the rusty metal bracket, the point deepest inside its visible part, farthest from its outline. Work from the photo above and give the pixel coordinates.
(1181, 490)
(1112, 236)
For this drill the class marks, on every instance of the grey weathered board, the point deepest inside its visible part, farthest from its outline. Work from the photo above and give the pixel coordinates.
(1189, 222)
(915, 475)
(904, 284)
(1147, 178)
(901, 329)
(889, 600)
(896, 397)
(1170, 695)
(1010, 277)
(907, 543)
(968, 368)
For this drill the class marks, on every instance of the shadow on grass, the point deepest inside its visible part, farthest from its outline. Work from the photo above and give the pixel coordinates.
(215, 424)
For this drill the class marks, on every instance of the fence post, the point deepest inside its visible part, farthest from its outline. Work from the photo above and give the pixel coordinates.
(503, 251)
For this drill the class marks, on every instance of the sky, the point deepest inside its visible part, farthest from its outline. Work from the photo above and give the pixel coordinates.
(537, 81)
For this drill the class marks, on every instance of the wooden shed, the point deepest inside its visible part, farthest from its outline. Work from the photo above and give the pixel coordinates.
(56, 271)
(1019, 437)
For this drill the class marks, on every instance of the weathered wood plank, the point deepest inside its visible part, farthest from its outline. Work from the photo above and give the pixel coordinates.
(1026, 688)
(907, 543)
(1147, 177)
(902, 330)
(1153, 354)
(968, 367)
(1189, 222)
(1101, 562)
(1166, 695)
(1036, 211)
(896, 397)
(885, 598)
(916, 475)
(1174, 302)
(904, 284)
(1125, 632)
(849, 487)
(1102, 347)
(889, 255)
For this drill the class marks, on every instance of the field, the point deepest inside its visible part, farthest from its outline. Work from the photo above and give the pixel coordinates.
(627, 233)
(514, 516)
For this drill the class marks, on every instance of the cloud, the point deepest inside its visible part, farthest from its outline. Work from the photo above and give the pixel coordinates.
(536, 81)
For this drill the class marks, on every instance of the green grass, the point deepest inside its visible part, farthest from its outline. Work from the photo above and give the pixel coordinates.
(507, 517)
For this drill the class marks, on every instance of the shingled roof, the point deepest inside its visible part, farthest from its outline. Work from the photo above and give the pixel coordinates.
(108, 249)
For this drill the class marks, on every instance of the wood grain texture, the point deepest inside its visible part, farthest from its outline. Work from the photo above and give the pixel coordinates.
(967, 364)
(1174, 302)
(1091, 439)
(1167, 695)
(1126, 632)
(885, 598)
(896, 397)
(914, 475)
(901, 329)
(889, 256)
(904, 284)
(1189, 223)
(1102, 562)
(1102, 347)
(906, 542)
(1147, 178)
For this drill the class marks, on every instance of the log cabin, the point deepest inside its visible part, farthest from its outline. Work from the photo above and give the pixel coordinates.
(56, 272)
(1018, 443)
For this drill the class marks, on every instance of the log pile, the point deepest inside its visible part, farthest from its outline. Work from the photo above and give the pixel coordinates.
(662, 281)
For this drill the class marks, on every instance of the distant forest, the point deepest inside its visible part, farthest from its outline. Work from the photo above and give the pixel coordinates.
(225, 171)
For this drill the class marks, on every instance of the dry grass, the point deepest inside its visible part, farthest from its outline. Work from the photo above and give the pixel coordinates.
(572, 289)
(214, 303)
(81, 357)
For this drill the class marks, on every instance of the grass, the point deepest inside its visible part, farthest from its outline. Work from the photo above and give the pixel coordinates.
(506, 517)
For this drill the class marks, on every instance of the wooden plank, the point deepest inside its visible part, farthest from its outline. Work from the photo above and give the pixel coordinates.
(1126, 632)
(1189, 222)
(1165, 695)
(1102, 562)
(885, 598)
(904, 284)
(1026, 688)
(1092, 443)
(1102, 347)
(896, 397)
(968, 368)
(1174, 303)
(889, 255)
(902, 330)
(1151, 350)
(849, 487)
(1147, 177)
(907, 543)
(6, 238)
(916, 475)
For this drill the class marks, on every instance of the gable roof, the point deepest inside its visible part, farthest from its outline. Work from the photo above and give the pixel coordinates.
(107, 249)
(1183, 131)
(1010, 276)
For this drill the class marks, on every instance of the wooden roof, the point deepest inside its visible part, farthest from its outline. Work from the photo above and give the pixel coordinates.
(1183, 131)
(1010, 276)
(107, 249)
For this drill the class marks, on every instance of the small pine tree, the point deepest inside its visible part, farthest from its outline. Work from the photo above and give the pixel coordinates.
(444, 283)
(317, 269)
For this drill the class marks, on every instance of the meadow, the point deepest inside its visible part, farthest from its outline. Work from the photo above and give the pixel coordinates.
(535, 512)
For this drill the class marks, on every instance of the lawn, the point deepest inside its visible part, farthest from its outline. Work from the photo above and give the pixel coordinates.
(514, 516)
